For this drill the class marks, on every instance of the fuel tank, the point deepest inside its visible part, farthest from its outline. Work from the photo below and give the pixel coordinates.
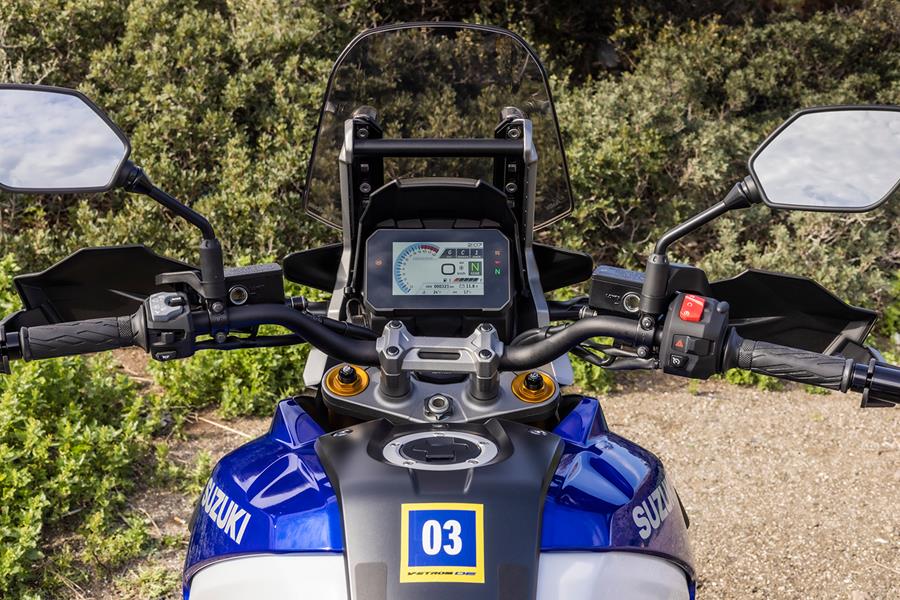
(578, 509)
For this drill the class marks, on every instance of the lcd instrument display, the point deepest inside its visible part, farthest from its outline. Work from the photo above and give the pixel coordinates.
(438, 269)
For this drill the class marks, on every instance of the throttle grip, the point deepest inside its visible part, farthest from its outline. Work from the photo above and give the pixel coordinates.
(802, 366)
(76, 337)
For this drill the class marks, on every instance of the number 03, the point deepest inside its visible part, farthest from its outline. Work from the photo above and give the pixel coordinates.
(433, 537)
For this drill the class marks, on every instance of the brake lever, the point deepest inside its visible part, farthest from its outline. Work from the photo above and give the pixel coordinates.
(633, 364)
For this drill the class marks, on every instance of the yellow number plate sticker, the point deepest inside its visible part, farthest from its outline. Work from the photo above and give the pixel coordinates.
(442, 542)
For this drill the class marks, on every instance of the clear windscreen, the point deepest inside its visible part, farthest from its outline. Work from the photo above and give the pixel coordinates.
(438, 81)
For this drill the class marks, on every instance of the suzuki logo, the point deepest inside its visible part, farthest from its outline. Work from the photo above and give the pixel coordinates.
(650, 514)
(224, 512)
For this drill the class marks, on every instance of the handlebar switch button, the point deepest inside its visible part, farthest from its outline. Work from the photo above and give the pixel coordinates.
(691, 308)
(678, 361)
(693, 336)
(162, 307)
(690, 345)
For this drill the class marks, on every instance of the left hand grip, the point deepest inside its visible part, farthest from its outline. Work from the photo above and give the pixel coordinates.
(76, 337)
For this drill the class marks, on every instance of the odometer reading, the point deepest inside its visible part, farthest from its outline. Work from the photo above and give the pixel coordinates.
(438, 269)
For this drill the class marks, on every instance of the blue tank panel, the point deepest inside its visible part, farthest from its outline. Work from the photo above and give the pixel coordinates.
(609, 493)
(272, 495)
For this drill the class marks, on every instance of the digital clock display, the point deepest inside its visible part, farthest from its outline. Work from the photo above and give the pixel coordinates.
(438, 268)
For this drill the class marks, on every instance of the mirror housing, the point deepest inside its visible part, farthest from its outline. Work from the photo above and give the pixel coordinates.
(44, 128)
(830, 158)
(56, 141)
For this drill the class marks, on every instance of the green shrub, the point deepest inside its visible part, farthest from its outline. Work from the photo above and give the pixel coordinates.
(651, 146)
(239, 382)
(71, 431)
(749, 379)
(591, 379)
(890, 323)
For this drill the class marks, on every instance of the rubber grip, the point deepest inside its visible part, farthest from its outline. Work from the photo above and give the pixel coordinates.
(802, 366)
(76, 337)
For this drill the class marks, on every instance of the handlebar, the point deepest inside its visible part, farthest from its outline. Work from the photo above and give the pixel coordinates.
(535, 354)
(879, 382)
(360, 352)
(76, 337)
(792, 364)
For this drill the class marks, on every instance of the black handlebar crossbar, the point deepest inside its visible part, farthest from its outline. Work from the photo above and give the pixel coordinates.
(360, 352)
(535, 354)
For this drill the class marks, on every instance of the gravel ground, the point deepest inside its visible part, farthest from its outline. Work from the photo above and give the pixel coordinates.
(790, 494)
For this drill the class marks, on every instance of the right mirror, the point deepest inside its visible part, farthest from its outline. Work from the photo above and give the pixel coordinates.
(841, 159)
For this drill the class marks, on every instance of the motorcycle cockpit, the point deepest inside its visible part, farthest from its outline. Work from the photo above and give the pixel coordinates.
(455, 248)
(432, 257)
(452, 255)
(438, 371)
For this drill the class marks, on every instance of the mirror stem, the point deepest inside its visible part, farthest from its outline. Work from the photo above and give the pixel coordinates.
(212, 269)
(741, 196)
(135, 180)
(656, 276)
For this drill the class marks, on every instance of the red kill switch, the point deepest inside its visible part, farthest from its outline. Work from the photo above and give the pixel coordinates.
(692, 308)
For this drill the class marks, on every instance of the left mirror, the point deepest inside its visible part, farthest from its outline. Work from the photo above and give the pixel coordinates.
(55, 140)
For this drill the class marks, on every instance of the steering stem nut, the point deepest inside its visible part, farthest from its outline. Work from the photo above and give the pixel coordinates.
(346, 380)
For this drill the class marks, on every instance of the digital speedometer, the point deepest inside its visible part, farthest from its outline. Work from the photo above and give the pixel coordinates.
(426, 270)
(438, 269)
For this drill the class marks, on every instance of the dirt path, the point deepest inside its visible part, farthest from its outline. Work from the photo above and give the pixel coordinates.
(791, 495)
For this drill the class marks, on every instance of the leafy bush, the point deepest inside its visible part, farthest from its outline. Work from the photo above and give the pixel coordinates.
(890, 324)
(650, 147)
(242, 382)
(591, 379)
(746, 378)
(70, 433)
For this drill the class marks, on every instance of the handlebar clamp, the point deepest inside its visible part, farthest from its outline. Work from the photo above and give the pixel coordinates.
(478, 355)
